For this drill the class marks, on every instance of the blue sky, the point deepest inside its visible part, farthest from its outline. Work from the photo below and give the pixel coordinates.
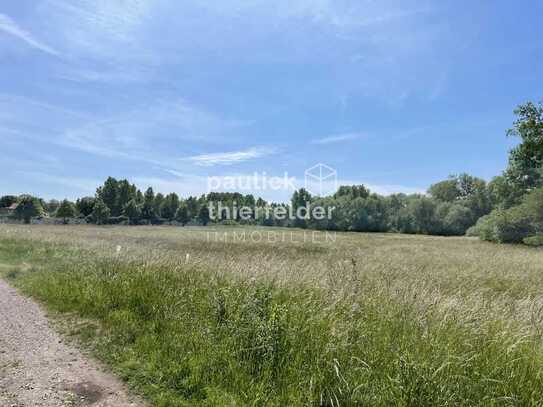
(392, 94)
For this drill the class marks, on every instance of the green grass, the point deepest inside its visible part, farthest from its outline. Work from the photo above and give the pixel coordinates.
(295, 324)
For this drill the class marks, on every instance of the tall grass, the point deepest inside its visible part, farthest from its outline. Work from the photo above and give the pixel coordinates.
(186, 332)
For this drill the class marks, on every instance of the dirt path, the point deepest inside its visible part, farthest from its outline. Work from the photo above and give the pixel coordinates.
(38, 369)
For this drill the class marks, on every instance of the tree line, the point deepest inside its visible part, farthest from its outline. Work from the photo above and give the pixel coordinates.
(508, 209)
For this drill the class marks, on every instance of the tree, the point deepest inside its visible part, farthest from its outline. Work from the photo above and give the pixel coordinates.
(100, 212)
(52, 206)
(193, 207)
(126, 193)
(148, 209)
(300, 199)
(65, 210)
(445, 191)
(203, 215)
(28, 207)
(422, 210)
(453, 219)
(132, 211)
(169, 206)
(466, 189)
(8, 200)
(503, 193)
(139, 197)
(526, 159)
(159, 199)
(85, 205)
(352, 191)
(182, 214)
(108, 194)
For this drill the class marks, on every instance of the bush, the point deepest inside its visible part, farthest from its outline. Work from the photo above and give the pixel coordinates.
(158, 221)
(505, 226)
(117, 220)
(453, 219)
(536, 240)
(515, 224)
(473, 231)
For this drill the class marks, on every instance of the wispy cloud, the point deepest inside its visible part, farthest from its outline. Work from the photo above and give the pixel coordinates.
(229, 158)
(99, 26)
(152, 133)
(9, 26)
(325, 12)
(339, 138)
(156, 133)
(106, 40)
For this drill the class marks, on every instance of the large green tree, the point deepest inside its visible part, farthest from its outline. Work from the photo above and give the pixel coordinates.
(132, 211)
(126, 193)
(526, 159)
(352, 191)
(169, 206)
(445, 191)
(51, 206)
(85, 205)
(65, 210)
(182, 214)
(300, 198)
(28, 207)
(193, 206)
(108, 194)
(159, 199)
(100, 212)
(148, 208)
(203, 215)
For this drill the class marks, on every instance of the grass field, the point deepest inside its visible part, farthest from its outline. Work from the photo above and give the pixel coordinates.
(367, 319)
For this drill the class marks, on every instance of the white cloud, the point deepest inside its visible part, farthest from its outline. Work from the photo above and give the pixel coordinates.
(11, 27)
(325, 12)
(99, 26)
(339, 138)
(152, 133)
(106, 40)
(229, 158)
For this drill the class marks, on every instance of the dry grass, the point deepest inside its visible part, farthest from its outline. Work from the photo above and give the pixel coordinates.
(489, 297)
(460, 274)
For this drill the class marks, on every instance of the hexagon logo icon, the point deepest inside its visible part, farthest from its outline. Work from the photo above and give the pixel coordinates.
(321, 180)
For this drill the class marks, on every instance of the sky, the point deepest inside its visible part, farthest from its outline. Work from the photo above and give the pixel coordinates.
(393, 94)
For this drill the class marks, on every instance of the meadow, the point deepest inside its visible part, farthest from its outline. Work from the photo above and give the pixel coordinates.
(186, 318)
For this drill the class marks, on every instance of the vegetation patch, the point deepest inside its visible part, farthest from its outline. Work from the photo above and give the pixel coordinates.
(187, 334)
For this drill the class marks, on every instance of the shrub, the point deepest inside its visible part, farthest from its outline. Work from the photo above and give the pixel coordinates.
(117, 220)
(453, 219)
(505, 226)
(29, 207)
(536, 240)
(515, 224)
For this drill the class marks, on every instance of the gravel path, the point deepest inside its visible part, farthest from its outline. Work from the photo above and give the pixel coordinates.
(38, 369)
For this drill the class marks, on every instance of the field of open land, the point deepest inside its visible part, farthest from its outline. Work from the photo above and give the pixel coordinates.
(189, 317)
